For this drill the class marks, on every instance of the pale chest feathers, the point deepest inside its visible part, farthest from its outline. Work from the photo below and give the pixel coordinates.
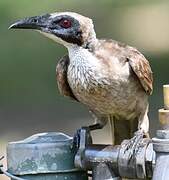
(106, 87)
(86, 71)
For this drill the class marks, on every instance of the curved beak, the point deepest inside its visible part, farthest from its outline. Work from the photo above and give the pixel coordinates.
(36, 22)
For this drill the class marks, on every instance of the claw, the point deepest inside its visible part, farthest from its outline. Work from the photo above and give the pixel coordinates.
(133, 145)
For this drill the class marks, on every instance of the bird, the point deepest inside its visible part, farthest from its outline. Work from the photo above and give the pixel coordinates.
(112, 79)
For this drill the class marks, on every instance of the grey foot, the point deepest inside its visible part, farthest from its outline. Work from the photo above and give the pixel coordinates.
(133, 145)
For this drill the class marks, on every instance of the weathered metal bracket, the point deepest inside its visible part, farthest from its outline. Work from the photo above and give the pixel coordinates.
(48, 156)
(112, 162)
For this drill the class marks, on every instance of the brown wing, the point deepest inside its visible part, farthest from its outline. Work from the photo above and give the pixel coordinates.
(61, 77)
(141, 68)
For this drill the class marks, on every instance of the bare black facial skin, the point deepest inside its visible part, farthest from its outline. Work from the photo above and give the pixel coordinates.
(71, 34)
(65, 27)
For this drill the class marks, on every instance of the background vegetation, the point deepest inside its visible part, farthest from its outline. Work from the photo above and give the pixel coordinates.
(29, 100)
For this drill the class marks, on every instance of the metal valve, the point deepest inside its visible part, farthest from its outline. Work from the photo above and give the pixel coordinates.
(161, 141)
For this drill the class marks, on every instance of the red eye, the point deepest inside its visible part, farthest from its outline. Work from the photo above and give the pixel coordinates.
(65, 23)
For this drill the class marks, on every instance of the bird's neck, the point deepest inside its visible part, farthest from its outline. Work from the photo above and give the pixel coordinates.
(82, 52)
(88, 45)
(81, 57)
(75, 51)
(91, 41)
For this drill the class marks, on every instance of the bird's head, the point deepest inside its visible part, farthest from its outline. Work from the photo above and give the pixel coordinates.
(66, 28)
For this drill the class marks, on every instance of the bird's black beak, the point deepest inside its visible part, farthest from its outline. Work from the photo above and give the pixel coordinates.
(36, 22)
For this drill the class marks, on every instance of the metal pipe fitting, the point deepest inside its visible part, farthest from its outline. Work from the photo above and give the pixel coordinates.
(161, 171)
(161, 141)
(116, 163)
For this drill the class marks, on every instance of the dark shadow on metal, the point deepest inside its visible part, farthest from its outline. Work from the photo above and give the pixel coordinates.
(10, 175)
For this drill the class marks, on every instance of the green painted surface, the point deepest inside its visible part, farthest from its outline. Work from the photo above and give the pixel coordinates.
(45, 156)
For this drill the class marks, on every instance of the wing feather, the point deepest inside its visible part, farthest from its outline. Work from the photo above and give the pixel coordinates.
(61, 77)
(142, 69)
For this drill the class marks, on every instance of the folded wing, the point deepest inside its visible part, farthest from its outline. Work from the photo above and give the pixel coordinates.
(142, 69)
(61, 77)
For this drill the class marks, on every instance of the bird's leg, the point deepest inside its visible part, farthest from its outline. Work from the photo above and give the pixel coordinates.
(96, 126)
(100, 123)
(133, 145)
